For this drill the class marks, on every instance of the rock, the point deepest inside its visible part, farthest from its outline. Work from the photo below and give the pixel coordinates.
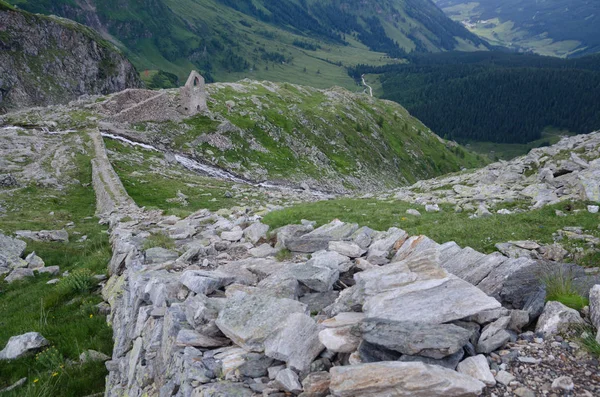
(564, 383)
(317, 278)
(477, 367)
(92, 356)
(222, 388)
(233, 236)
(554, 252)
(288, 381)
(346, 248)
(432, 208)
(307, 244)
(255, 232)
(524, 392)
(449, 362)
(51, 270)
(34, 261)
(340, 339)
(483, 212)
(18, 274)
(319, 300)
(44, 235)
(248, 319)
(593, 209)
(8, 181)
(430, 340)
(330, 259)
(20, 345)
(595, 308)
(319, 238)
(557, 318)
(413, 212)
(487, 316)
(205, 282)
(504, 377)
(494, 335)
(399, 379)
(160, 255)
(429, 301)
(316, 384)
(371, 353)
(296, 342)
(11, 250)
(188, 337)
(518, 320)
(262, 251)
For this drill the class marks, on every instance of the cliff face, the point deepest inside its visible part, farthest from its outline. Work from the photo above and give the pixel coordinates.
(49, 60)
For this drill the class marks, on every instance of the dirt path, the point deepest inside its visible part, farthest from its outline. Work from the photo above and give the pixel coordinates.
(366, 85)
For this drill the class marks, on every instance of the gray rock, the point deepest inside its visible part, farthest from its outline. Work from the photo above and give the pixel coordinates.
(430, 340)
(316, 278)
(19, 274)
(450, 362)
(413, 212)
(233, 236)
(307, 244)
(205, 282)
(92, 356)
(11, 250)
(249, 319)
(330, 259)
(160, 255)
(595, 308)
(399, 379)
(262, 251)
(296, 342)
(363, 237)
(504, 377)
(288, 380)
(371, 353)
(316, 384)
(430, 301)
(346, 248)
(51, 270)
(34, 261)
(44, 235)
(340, 339)
(255, 232)
(477, 367)
(20, 345)
(188, 337)
(319, 300)
(557, 318)
(494, 335)
(564, 383)
(223, 388)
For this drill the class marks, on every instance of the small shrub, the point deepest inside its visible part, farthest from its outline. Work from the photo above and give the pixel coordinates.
(560, 288)
(283, 255)
(81, 281)
(50, 359)
(159, 240)
(588, 340)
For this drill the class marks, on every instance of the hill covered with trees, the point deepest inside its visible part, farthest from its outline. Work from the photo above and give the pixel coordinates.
(492, 96)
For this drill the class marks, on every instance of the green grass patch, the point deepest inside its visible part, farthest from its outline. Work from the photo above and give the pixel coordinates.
(479, 233)
(159, 240)
(69, 321)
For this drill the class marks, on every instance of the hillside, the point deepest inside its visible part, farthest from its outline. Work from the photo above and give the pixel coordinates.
(305, 42)
(496, 97)
(562, 28)
(50, 60)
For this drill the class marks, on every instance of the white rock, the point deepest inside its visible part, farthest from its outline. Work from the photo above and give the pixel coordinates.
(232, 236)
(556, 318)
(593, 209)
(346, 248)
(413, 212)
(339, 340)
(504, 377)
(432, 208)
(478, 368)
(20, 345)
(288, 380)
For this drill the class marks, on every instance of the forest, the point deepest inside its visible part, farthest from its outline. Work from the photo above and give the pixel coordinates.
(494, 96)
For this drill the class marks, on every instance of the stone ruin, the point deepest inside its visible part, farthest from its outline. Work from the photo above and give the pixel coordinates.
(138, 105)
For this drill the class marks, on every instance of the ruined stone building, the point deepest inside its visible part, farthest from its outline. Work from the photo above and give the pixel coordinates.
(192, 95)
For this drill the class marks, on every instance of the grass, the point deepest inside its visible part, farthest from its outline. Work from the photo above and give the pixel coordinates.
(159, 240)
(559, 283)
(283, 255)
(68, 320)
(588, 340)
(151, 184)
(479, 233)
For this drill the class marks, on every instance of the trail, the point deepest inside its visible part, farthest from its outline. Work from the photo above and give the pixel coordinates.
(366, 85)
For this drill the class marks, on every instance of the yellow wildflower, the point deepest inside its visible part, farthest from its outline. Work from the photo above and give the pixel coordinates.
(91, 315)
(36, 380)
(54, 373)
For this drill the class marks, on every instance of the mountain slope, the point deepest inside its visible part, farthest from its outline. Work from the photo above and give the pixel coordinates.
(550, 27)
(49, 60)
(305, 42)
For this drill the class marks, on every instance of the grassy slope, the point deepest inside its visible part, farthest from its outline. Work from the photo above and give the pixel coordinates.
(356, 136)
(68, 320)
(479, 233)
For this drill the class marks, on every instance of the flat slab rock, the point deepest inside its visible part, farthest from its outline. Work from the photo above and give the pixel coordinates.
(20, 345)
(401, 379)
(430, 301)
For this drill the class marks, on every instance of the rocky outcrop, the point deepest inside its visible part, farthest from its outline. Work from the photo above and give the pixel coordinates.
(50, 60)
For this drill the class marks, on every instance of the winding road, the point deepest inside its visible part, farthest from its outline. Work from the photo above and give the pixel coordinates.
(366, 85)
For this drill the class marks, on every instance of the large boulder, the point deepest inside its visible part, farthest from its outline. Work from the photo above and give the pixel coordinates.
(20, 345)
(401, 379)
(11, 250)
